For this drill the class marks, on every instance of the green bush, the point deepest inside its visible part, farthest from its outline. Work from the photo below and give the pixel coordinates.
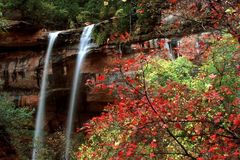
(220, 68)
(159, 71)
(56, 13)
(18, 124)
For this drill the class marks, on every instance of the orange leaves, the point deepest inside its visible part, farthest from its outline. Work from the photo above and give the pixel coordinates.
(153, 144)
(161, 43)
(198, 128)
(213, 137)
(236, 102)
(120, 154)
(226, 90)
(152, 155)
(101, 78)
(131, 149)
(124, 37)
(213, 96)
(212, 149)
(236, 120)
(212, 76)
(141, 11)
(172, 1)
(217, 117)
(178, 125)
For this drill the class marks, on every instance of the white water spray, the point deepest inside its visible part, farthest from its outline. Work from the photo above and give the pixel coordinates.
(39, 125)
(84, 46)
(168, 47)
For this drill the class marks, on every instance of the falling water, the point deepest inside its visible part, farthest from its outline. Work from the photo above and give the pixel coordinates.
(38, 135)
(84, 47)
(168, 47)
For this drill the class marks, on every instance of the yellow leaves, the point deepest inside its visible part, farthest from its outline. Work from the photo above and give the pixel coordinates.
(230, 10)
(105, 3)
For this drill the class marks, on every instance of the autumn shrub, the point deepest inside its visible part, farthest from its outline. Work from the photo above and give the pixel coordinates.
(168, 113)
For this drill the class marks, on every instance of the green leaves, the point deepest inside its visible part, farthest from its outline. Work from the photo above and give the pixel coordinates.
(51, 13)
(13, 116)
(230, 10)
(17, 122)
(160, 71)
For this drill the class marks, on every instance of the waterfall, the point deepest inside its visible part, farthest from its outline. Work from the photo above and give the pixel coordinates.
(39, 125)
(169, 49)
(84, 46)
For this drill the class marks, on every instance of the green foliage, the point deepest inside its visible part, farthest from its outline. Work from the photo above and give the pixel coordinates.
(95, 12)
(56, 13)
(74, 13)
(70, 13)
(114, 134)
(223, 60)
(53, 146)
(3, 23)
(100, 35)
(85, 16)
(17, 122)
(182, 71)
(2, 19)
(160, 71)
(50, 13)
(220, 68)
(13, 116)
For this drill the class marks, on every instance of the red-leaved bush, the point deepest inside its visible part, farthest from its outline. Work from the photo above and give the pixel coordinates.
(168, 121)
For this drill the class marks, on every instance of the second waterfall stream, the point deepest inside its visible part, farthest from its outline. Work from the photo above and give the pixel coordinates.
(84, 46)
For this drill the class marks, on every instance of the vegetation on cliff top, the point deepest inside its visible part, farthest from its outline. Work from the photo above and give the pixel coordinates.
(163, 18)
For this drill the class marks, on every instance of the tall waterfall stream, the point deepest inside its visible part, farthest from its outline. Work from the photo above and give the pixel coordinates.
(84, 46)
(39, 124)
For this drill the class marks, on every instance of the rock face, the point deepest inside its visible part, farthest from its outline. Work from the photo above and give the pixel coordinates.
(21, 34)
